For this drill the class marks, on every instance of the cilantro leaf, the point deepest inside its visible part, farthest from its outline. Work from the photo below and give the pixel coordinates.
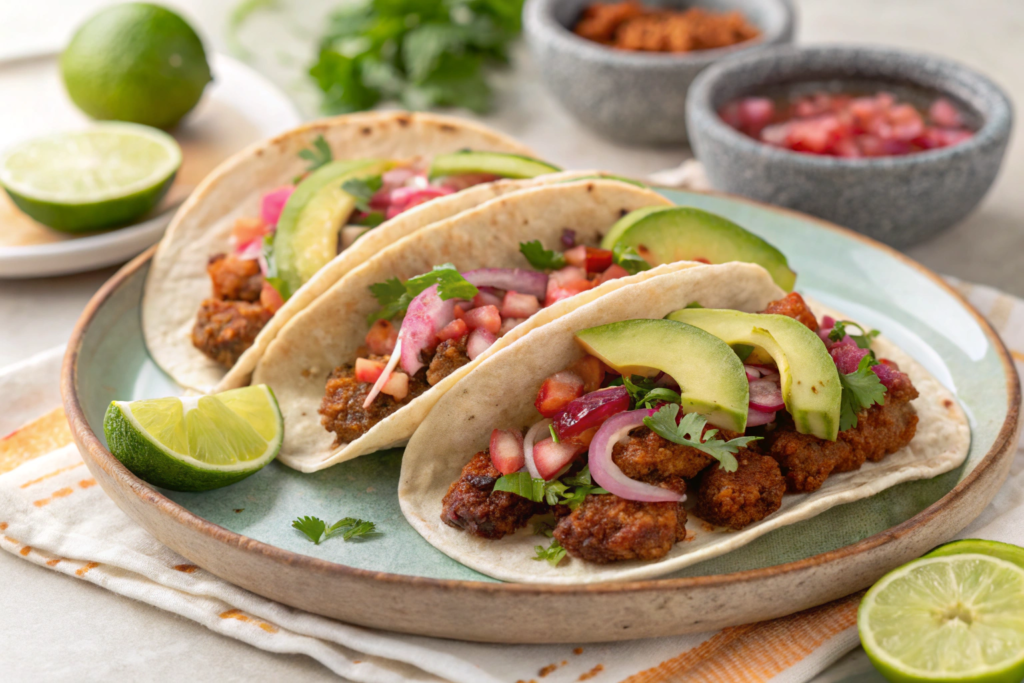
(571, 491)
(394, 296)
(521, 484)
(690, 432)
(863, 340)
(541, 258)
(861, 390)
(543, 527)
(629, 258)
(319, 155)
(311, 526)
(643, 393)
(352, 527)
(554, 553)
(659, 395)
(362, 190)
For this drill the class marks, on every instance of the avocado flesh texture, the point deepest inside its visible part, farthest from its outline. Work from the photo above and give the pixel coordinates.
(307, 231)
(711, 378)
(626, 222)
(495, 163)
(810, 380)
(682, 233)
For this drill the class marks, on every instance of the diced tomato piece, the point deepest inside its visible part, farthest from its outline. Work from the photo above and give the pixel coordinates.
(270, 298)
(507, 324)
(456, 329)
(405, 198)
(368, 371)
(485, 298)
(381, 338)
(397, 386)
(577, 256)
(591, 371)
(598, 260)
(556, 294)
(614, 272)
(566, 276)
(479, 341)
(506, 448)
(518, 305)
(246, 230)
(485, 317)
(460, 312)
(551, 457)
(581, 441)
(944, 114)
(557, 391)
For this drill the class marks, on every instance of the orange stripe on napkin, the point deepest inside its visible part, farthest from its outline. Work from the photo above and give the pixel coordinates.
(51, 474)
(59, 493)
(756, 652)
(38, 437)
(82, 571)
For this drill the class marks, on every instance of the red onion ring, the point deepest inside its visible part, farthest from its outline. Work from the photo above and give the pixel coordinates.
(531, 436)
(756, 418)
(425, 317)
(516, 279)
(766, 396)
(608, 475)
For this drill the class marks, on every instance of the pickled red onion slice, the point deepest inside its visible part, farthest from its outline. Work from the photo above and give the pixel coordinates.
(386, 375)
(426, 316)
(536, 430)
(608, 475)
(273, 203)
(516, 279)
(590, 410)
(506, 449)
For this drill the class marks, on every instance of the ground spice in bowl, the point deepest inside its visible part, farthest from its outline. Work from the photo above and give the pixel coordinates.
(633, 26)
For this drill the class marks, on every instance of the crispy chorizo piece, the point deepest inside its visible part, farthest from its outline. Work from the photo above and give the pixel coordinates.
(881, 430)
(235, 279)
(650, 458)
(342, 412)
(606, 528)
(793, 306)
(225, 329)
(599, 21)
(473, 505)
(738, 499)
(449, 357)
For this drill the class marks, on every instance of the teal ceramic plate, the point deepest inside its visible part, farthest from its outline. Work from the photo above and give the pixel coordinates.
(846, 547)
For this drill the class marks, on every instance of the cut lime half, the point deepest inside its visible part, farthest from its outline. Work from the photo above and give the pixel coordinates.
(196, 443)
(102, 177)
(947, 618)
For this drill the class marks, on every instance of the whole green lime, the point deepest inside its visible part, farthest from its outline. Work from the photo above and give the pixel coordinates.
(136, 62)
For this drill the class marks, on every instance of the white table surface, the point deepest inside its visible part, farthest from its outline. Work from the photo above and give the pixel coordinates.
(47, 617)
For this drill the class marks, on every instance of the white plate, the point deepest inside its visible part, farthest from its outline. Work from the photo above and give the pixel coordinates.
(238, 108)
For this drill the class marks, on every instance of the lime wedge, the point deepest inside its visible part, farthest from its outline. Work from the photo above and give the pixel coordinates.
(947, 618)
(1004, 551)
(91, 179)
(196, 443)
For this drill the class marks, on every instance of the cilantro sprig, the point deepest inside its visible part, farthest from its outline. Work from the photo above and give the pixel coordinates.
(863, 340)
(571, 490)
(541, 258)
(394, 296)
(629, 258)
(349, 528)
(553, 554)
(861, 389)
(319, 155)
(690, 432)
(362, 190)
(643, 393)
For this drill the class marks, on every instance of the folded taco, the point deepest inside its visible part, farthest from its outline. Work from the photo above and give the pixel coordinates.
(669, 422)
(358, 369)
(277, 224)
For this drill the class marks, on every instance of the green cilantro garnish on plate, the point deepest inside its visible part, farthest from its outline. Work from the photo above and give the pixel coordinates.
(861, 390)
(554, 553)
(362, 190)
(394, 296)
(319, 155)
(317, 530)
(628, 257)
(690, 432)
(541, 258)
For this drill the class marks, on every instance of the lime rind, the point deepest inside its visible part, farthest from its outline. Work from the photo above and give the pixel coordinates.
(948, 618)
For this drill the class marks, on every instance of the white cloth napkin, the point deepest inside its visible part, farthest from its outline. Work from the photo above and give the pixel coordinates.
(53, 514)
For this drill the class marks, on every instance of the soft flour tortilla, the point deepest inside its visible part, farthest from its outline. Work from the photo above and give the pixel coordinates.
(177, 282)
(500, 393)
(328, 332)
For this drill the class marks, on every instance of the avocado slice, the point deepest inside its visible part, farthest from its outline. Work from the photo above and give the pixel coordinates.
(605, 176)
(683, 233)
(496, 163)
(307, 231)
(810, 380)
(685, 353)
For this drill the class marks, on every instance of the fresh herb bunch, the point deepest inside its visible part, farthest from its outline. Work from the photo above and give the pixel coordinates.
(423, 53)
(394, 296)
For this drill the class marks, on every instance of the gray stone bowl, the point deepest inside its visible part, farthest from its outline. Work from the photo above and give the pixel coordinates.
(899, 200)
(634, 97)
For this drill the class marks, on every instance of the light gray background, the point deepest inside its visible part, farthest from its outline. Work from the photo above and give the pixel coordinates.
(52, 625)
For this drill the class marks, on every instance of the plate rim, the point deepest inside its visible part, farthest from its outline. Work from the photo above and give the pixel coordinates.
(1003, 447)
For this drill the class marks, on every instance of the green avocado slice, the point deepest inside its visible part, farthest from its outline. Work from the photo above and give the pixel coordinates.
(711, 378)
(307, 231)
(495, 163)
(810, 380)
(683, 233)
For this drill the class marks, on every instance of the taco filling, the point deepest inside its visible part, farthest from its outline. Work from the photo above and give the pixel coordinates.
(303, 226)
(641, 421)
(448, 319)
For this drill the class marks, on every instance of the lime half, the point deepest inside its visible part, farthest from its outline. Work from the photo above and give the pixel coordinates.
(947, 618)
(91, 179)
(196, 443)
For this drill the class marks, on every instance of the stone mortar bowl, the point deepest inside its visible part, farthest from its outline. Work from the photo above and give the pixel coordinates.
(899, 200)
(634, 97)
